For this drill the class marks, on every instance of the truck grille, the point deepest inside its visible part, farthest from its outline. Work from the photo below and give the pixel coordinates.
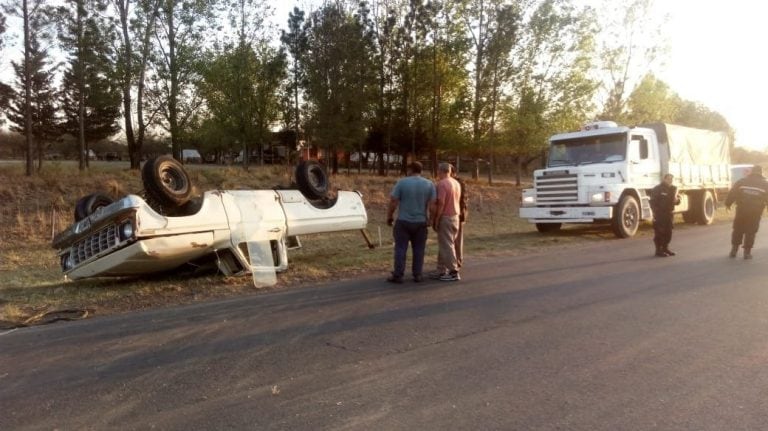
(105, 239)
(557, 188)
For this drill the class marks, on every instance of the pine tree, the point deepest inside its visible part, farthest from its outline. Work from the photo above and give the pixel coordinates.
(35, 19)
(90, 100)
(36, 113)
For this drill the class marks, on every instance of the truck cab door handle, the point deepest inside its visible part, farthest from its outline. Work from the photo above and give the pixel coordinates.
(275, 229)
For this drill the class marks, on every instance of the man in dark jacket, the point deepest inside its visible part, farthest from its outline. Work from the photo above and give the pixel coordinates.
(750, 194)
(663, 200)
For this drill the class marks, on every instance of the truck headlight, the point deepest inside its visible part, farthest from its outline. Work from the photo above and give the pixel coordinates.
(601, 197)
(126, 230)
(529, 200)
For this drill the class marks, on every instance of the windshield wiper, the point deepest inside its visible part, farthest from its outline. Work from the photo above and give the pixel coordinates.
(561, 163)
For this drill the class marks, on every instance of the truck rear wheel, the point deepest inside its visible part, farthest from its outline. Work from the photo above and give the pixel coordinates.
(692, 214)
(548, 227)
(626, 218)
(706, 209)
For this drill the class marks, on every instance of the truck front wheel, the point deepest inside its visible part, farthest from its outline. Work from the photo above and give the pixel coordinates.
(548, 227)
(626, 218)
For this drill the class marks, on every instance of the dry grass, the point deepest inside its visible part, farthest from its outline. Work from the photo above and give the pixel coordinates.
(32, 209)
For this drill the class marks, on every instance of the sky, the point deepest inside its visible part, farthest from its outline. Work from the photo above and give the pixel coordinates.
(716, 58)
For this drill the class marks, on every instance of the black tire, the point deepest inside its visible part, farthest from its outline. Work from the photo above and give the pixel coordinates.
(87, 205)
(166, 182)
(706, 208)
(312, 179)
(626, 217)
(692, 215)
(548, 227)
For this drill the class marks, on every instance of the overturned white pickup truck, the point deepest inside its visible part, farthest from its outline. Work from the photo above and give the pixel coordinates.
(242, 231)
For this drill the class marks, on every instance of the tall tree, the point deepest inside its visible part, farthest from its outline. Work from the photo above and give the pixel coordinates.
(240, 91)
(551, 78)
(339, 84)
(493, 26)
(180, 33)
(35, 18)
(382, 28)
(5, 89)
(632, 44)
(32, 110)
(652, 100)
(137, 23)
(295, 42)
(90, 100)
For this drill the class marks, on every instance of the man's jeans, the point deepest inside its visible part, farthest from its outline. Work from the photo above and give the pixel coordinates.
(415, 233)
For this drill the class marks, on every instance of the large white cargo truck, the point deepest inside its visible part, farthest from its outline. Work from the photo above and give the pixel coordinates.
(605, 172)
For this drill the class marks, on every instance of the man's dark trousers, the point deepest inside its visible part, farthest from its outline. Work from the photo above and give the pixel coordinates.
(662, 230)
(745, 225)
(415, 233)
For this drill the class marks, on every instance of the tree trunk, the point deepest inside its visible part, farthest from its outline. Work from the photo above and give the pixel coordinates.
(476, 109)
(27, 89)
(133, 152)
(145, 51)
(173, 114)
(81, 88)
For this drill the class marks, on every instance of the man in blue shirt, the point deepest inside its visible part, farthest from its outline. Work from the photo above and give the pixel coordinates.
(413, 197)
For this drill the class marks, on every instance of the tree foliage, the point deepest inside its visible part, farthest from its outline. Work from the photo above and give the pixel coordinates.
(339, 77)
(90, 99)
(422, 79)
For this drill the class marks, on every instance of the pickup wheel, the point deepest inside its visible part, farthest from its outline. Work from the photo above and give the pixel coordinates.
(312, 179)
(166, 182)
(548, 227)
(706, 208)
(626, 217)
(87, 205)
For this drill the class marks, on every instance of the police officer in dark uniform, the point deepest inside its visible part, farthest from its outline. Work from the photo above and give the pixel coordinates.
(750, 195)
(663, 200)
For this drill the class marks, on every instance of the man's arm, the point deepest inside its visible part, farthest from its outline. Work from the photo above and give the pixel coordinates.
(431, 210)
(732, 195)
(675, 196)
(393, 202)
(439, 206)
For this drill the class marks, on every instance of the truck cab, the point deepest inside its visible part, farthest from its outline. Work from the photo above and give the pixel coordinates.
(604, 173)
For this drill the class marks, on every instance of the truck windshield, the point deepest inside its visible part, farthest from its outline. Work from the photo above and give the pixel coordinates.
(592, 149)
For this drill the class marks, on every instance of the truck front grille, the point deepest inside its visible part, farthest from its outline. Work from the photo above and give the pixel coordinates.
(98, 242)
(559, 188)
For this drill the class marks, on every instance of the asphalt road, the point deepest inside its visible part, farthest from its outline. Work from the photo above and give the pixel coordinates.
(596, 337)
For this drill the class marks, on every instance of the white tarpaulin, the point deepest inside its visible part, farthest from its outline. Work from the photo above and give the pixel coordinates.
(695, 146)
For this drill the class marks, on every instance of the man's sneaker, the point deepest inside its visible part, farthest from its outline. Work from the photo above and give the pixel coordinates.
(451, 276)
(435, 275)
(394, 279)
(734, 251)
(418, 278)
(669, 252)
